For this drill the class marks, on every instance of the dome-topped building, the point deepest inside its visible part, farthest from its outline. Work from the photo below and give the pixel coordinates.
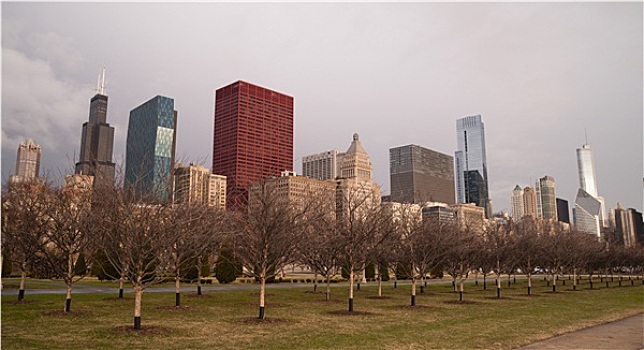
(356, 162)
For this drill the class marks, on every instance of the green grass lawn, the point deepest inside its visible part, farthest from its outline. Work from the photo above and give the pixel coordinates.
(298, 319)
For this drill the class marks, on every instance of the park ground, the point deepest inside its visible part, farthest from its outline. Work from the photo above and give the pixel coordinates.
(225, 317)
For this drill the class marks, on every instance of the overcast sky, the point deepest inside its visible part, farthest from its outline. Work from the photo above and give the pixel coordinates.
(538, 73)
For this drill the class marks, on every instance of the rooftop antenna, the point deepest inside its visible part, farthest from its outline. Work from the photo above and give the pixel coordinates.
(586, 133)
(100, 88)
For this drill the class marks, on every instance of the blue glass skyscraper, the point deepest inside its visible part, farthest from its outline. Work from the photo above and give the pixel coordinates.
(471, 163)
(151, 142)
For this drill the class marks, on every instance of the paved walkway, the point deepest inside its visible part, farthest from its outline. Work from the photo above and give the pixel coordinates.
(624, 334)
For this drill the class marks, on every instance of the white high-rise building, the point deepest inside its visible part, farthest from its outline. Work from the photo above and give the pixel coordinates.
(27, 161)
(517, 203)
(322, 166)
(588, 180)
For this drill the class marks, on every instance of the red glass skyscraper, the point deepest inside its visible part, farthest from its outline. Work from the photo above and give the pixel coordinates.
(253, 137)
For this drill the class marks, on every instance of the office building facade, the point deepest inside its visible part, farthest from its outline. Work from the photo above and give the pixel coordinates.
(150, 149)
(194, 184)
(253, 137)
(322, 166)
(586, 213)
(517, 203)
(97, 141)
(563, 211)
(529, 202)
(27, 161)
(546, 198)
(471, 163)
(588, 178)
(419, 175)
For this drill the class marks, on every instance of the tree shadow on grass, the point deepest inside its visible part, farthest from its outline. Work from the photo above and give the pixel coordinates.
(179, 308)
(20, 302)
(145, 330)
(63, 313)
(350, 313)
(256, 320)
(460, 302)
(375, 297)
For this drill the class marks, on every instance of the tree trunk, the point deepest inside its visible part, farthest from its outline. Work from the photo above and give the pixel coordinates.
(460, 289)
(177, 289)
(262, 294)
(23, 281)
(68, 299)
(199, 275)
(351, 290)
(509, 280)
(379, 285)
(554, 282)
(138, 294)
(498, 286)
(413, 291)
(574, 278)
(121, 287)
(315, 281)
(484, 282)
(69, 281)
(454, 284)
(328, 287)
(529, 283)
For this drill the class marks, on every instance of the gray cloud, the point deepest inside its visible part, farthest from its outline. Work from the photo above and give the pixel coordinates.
(539, 73)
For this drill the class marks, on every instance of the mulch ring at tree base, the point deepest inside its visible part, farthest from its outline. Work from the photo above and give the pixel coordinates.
(383, 297)
(351, 313)
(257, 294)
(333, 301)
(145, 330)
(179, 308)
(63, 313)
(256, 320)
(460, 302)
(313, 292)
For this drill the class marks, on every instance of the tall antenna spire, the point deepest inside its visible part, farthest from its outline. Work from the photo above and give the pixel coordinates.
(100, 88)
(586, 133)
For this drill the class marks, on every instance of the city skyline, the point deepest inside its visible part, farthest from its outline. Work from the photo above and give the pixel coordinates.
(391, 75)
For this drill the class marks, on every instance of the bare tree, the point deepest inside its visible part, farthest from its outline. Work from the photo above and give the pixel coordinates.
(268, 234)
(68, 240)
(360, 224)
(135, 237)
(528, 249)
(499, 241)
(460, 257)
(24, 224)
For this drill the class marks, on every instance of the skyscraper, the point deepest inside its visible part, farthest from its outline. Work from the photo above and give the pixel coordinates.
(563, 213)
(518, 206)
(151, 142)
(588, 177)
(588, 184)
(529, 202)
(322, 166)
(471, 163)
(27, 161)
(253, 137)
(97, 140)
(419, 175)
(546, 198)
(586, 213)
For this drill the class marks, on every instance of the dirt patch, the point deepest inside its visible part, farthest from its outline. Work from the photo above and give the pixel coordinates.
(63, 313)
(384, 297)
(255, 320)
(460, 302)
(351, 313)
(179, 308)
(502, 298)
(145, 330)
(313, 292)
